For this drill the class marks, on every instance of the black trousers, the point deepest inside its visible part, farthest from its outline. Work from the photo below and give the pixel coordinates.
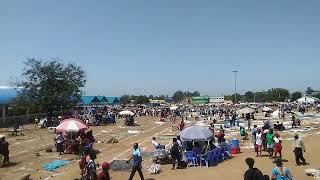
(133, 172)
(176, 159)
(299, 156)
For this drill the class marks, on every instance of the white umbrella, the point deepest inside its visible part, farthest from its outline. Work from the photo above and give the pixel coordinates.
(266, 109)
(126, 112)
(246, 110)
(1, 136)
(173, 107)
(196, 133)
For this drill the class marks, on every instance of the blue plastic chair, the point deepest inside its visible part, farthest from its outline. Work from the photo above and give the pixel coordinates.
(206, 158)
(191, 158)
(214, 157)
(219, 154)
(227, 153)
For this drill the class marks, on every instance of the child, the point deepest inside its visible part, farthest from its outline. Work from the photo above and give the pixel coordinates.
(104, 175)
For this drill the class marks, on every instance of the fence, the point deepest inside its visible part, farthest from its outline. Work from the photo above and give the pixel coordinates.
(21, 120)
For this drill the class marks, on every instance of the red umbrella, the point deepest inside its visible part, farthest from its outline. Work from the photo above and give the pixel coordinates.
(71, 125)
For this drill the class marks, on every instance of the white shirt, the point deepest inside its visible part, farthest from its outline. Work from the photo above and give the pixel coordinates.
(258, 139)
(179, 143)
(276, 140)
(155, 144)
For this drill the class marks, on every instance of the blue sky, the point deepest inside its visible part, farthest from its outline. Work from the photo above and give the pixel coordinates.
(157, 47)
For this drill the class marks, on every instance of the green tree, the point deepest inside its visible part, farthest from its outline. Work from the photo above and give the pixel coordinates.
(178, 96)
(51, 85)
(261, 96)
(296, 95)
(317, 96)
(248, 96)
(141, 99)
(309, 91)
(196, 93)
(278, 94)
(125, 99)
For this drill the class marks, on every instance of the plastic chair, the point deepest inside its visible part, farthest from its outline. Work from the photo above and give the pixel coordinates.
(227, 154)
(191, 158)
(219, 154)
(206, 158)
(214, 157)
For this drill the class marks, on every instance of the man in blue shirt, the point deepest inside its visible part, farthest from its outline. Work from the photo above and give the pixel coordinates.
(137, 160)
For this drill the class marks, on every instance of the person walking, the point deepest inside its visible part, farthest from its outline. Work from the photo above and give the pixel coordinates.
(298, 147)
(258, 144)
(270, 143)
(277, 146)
(137, 162)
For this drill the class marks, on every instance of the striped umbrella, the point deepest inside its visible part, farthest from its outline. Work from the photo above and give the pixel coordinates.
(71, 125)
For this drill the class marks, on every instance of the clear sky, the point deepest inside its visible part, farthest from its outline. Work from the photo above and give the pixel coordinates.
(157, 47)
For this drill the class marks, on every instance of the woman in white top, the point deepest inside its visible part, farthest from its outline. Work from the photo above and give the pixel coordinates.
(258, 145)
(277, 147)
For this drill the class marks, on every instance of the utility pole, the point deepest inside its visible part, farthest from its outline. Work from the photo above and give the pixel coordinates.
(235, 85)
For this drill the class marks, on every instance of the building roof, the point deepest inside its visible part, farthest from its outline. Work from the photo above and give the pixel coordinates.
(102, 98)
(89, 99)
(113, 100)
(8, 94)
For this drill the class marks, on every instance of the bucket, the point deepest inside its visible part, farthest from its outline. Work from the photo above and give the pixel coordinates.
(235, 143)
(235, 150)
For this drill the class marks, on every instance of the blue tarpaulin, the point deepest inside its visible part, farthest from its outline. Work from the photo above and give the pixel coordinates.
(55, 164)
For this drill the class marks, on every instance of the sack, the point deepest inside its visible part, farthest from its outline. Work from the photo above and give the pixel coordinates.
(154, 169)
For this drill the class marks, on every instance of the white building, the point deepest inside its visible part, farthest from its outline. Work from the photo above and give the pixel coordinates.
(219, 99)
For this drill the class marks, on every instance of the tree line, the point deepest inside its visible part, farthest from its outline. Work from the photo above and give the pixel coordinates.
(52, 85)
(273, 94)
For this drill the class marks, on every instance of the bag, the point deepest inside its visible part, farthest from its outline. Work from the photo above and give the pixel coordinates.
(154, 169)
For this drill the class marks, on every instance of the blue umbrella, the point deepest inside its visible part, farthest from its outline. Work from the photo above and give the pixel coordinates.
(196, 133)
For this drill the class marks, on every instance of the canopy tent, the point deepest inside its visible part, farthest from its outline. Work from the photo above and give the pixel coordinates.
(126, 112)
(245, 110)
(196, 133)
(174, 107)
(307, 99)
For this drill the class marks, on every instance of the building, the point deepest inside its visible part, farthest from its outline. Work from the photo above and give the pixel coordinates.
(216, 100)
(99, 100)
(200, 100)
